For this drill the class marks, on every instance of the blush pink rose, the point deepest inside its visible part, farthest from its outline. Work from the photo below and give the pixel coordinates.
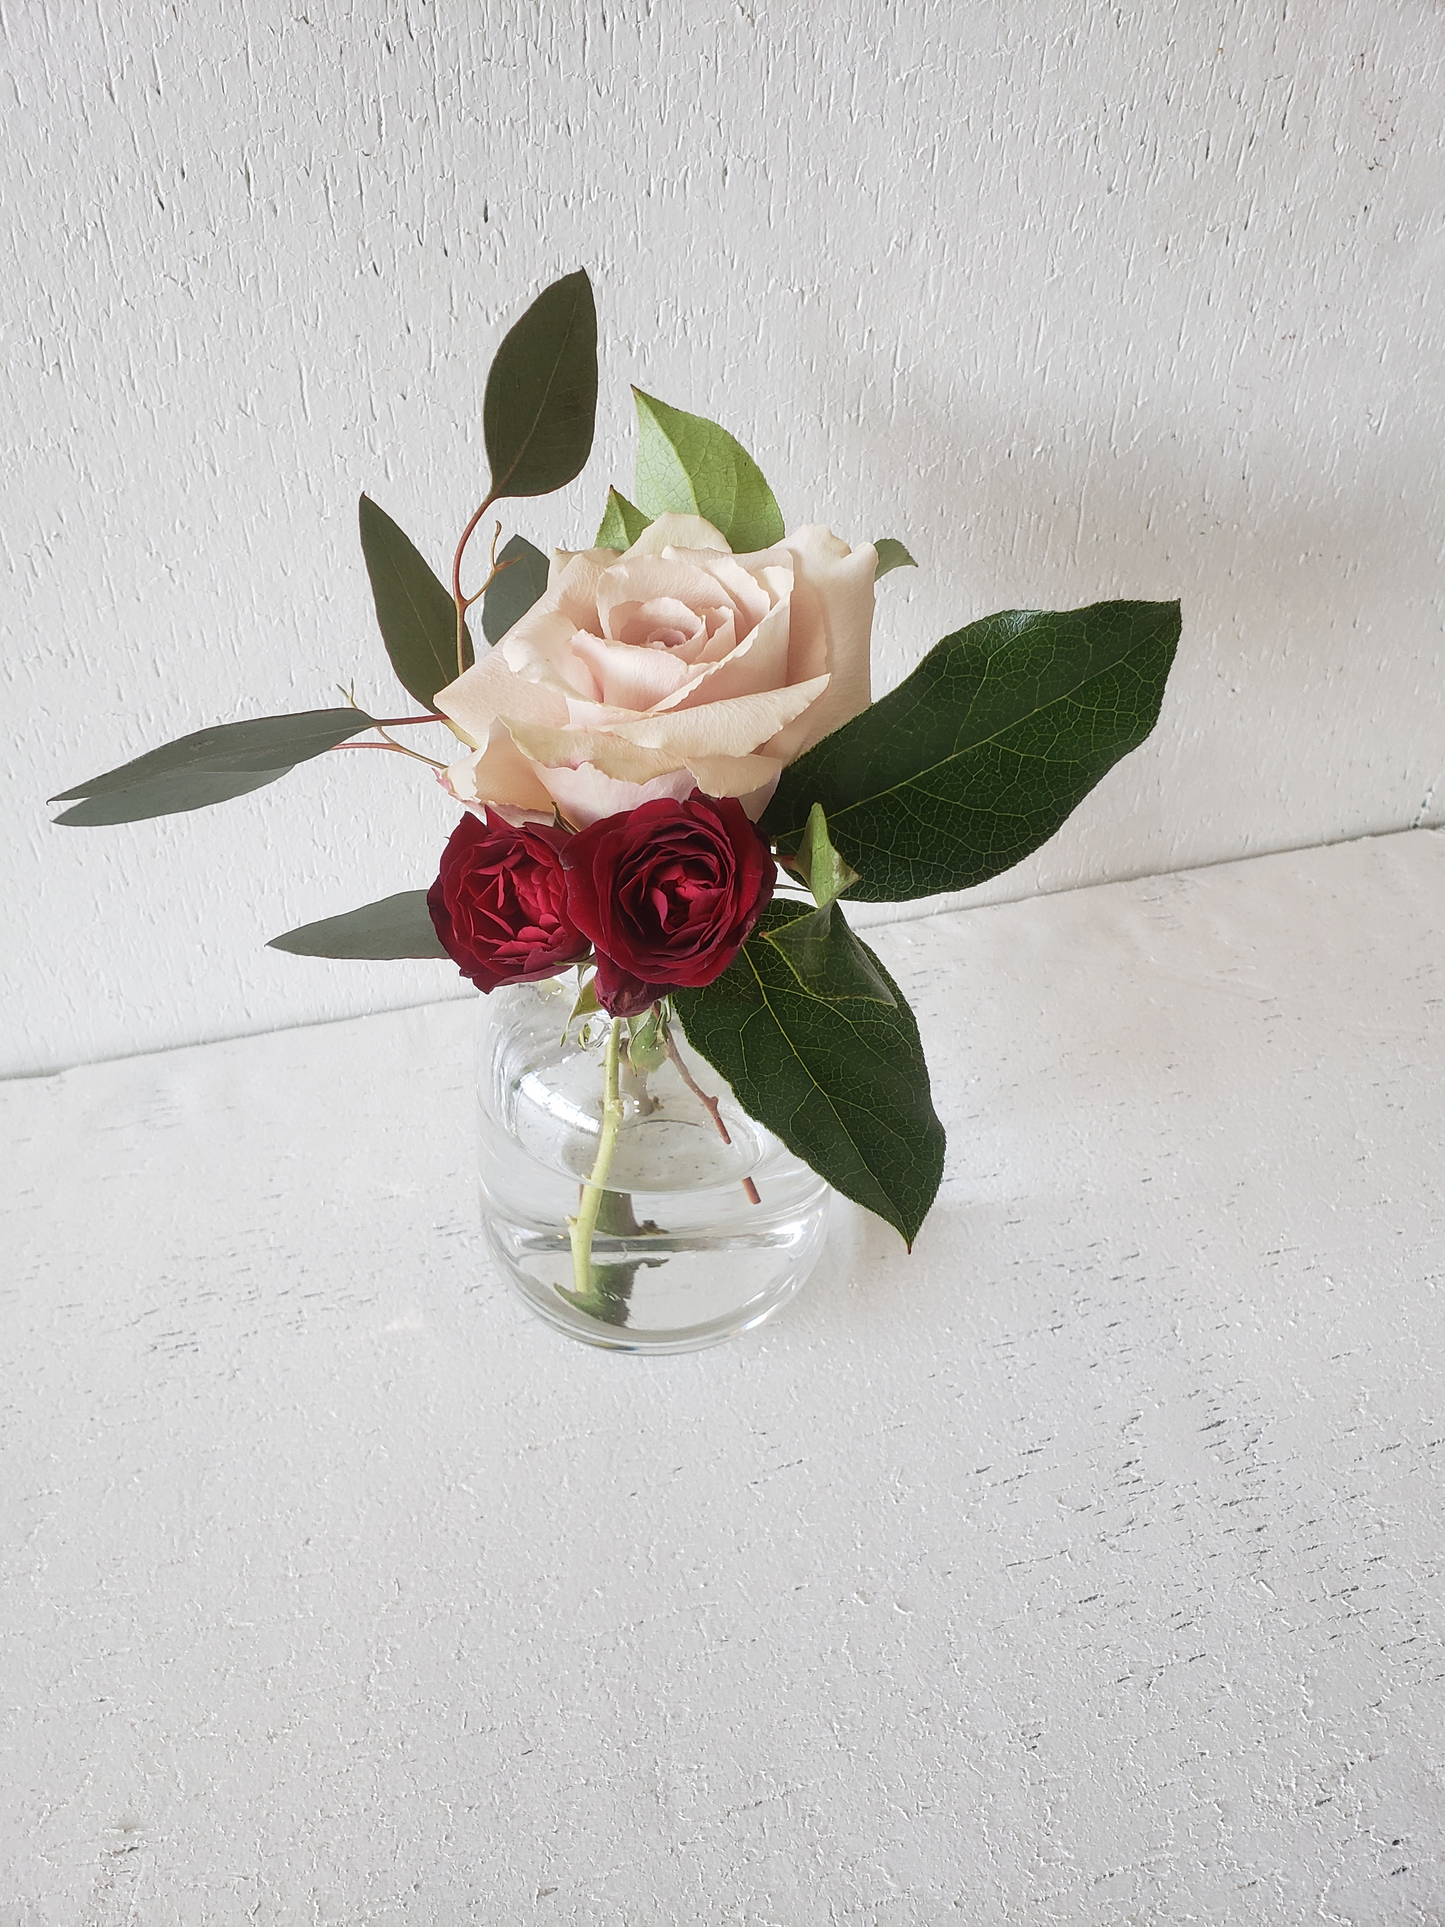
(676, 666)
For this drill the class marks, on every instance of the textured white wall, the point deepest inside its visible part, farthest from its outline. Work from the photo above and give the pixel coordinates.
(1080, 302)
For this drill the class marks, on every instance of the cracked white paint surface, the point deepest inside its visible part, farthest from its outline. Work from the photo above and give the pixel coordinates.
(1082, 1569)
(1081, 302)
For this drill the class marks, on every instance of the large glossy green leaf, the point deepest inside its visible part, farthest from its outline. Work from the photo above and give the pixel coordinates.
(540, 406)
(622, 523)
(826, 957)
(398, 926)
(513, 590)
(415, 613)
(210, 766)
(979, 756)
(689, 466)
(842, 1083)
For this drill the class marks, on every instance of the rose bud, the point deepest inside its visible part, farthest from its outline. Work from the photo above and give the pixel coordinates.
(668, 892)
(500, 903)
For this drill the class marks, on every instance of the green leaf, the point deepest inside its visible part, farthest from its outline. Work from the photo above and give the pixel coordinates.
(979, 756)
(647, 1041)
(843, 1083)
(540, 406)
(511, 593)
(398, 926)
(891, 555)
(826, 958)
(823, 870)
(586, 1004)
(622, 524)
(689, 466)
(210, 766)
(416, 615)
(611, 1285)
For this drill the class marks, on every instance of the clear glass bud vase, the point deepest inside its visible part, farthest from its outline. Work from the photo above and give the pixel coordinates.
(706, 1224)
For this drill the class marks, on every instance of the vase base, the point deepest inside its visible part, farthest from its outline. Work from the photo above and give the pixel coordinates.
(660, 1294)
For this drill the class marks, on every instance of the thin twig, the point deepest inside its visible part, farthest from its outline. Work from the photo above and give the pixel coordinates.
(457, 596)
(710, 1105)
(395, 749)
(415, 754)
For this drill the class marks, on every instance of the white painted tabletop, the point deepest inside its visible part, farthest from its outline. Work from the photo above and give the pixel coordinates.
(1082, 1568)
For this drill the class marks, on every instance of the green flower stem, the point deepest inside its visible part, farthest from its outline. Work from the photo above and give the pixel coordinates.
(581, 1228)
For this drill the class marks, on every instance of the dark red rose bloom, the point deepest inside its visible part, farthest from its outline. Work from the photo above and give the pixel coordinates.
(668, 893)
(500, 903)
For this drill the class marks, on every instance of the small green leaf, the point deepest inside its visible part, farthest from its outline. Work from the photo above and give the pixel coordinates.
(209, 766)
(540, 407)
(826, 958)
(513, 590)
(586, 1004)
(622, 524)
(978, 757)
(823, 870)
(398, 926)
(687, 465)
(647, 1041)
(891, 555)
(842, 1082)
(416, 615)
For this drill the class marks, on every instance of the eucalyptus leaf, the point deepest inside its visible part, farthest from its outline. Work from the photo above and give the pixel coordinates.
(513, 590)
(826, 958)
(209, 766)
(978, 757)
(842, 1082)
(398, 926)
(687, 465)
(622, 523)
(166, 796)
(891, 555)
(415, 613)
(540, 406)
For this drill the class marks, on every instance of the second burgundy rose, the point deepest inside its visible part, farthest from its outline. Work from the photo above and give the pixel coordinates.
(668, 892)
(499, 905)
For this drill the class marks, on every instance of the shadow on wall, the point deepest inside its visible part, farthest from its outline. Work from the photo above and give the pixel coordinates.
(1307, 703)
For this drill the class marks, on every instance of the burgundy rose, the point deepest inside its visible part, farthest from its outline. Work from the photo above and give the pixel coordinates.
(500, 903)
(668, 892)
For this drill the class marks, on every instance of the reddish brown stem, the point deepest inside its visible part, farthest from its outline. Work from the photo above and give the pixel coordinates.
(457, 596)
(396, 750)
(710, 1105)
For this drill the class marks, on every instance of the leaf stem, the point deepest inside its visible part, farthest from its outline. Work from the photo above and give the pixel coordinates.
(709, 1104)
(396, 749)
(457, 596)
(581, 1228)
